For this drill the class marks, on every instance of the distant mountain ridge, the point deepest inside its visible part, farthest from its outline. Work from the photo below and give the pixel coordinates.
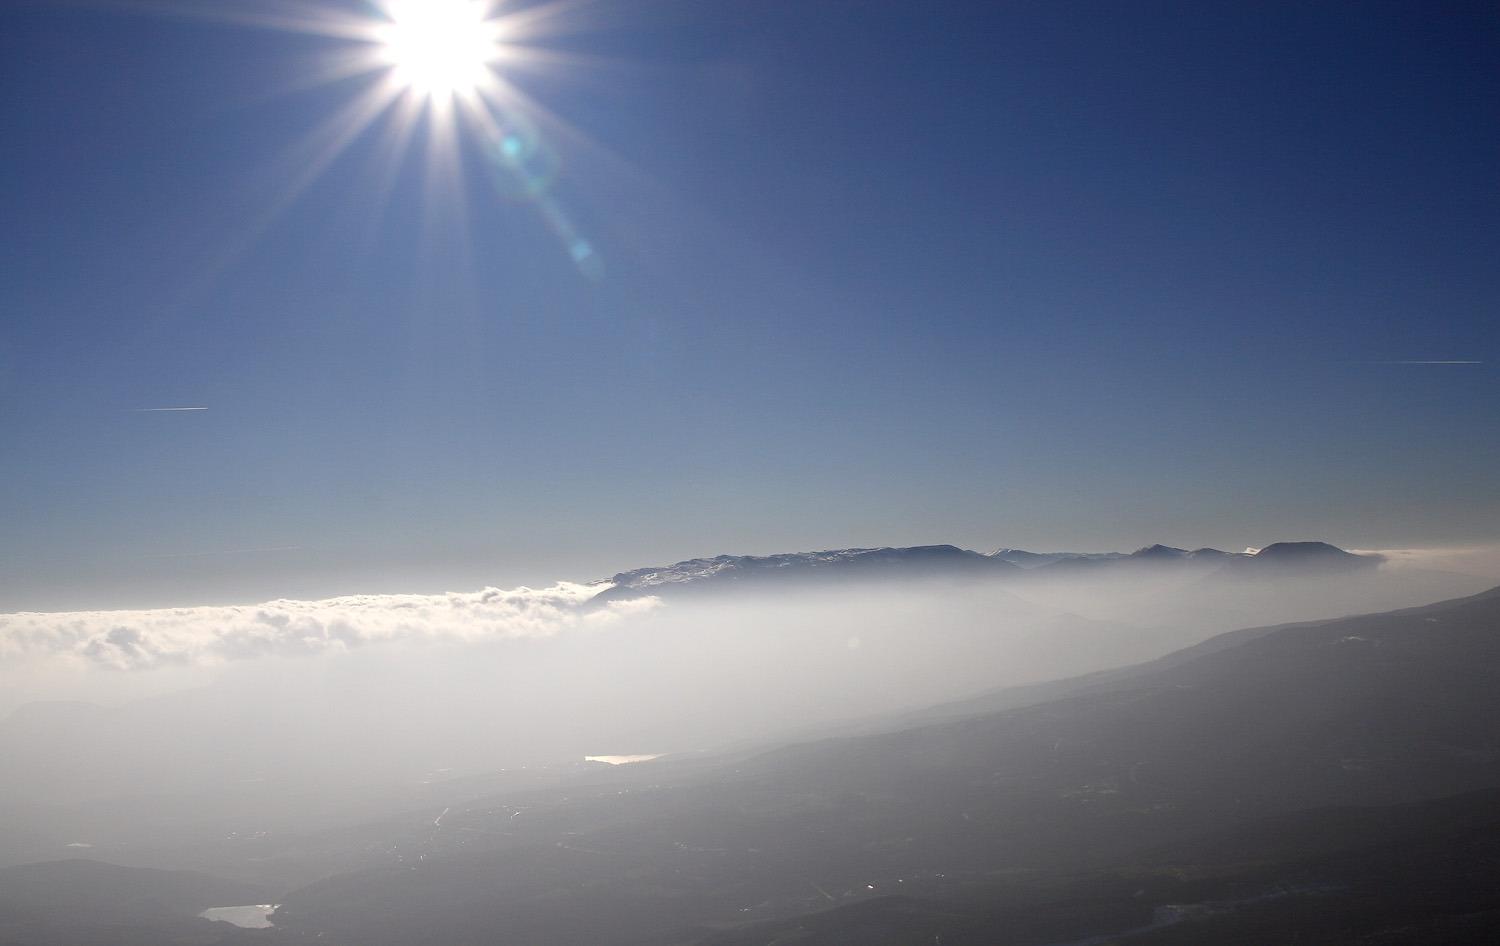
(1279, 559)
(834, 564)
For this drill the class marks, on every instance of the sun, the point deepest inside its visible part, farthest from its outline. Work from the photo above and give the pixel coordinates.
(439, 48)
(442, 63)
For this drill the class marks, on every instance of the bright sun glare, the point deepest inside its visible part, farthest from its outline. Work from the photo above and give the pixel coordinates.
(445, 60)
(439, 48)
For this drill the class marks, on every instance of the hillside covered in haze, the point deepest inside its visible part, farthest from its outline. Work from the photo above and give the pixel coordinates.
(1336, 776)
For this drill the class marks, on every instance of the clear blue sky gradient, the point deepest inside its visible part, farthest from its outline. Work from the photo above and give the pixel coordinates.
(1050, 275)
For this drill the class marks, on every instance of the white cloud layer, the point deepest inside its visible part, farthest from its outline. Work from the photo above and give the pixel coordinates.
(143, 640)
(1479, 560)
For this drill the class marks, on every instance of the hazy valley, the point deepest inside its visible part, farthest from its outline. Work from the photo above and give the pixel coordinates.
(880, 746)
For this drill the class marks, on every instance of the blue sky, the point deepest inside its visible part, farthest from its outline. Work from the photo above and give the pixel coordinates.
(1048, 275)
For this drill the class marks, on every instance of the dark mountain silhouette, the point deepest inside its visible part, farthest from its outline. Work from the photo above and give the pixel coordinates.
(1214, 555)
(1151, 557)
(1168, 554)
(1159, 551)
(1284, 559)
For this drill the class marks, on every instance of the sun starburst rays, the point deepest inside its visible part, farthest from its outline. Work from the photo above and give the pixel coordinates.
(430, 71)
(435, 62)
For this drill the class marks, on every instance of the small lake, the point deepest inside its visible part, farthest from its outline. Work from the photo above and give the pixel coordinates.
(254, 917)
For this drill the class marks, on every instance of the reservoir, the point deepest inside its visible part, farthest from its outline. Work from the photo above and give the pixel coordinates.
(254, 917)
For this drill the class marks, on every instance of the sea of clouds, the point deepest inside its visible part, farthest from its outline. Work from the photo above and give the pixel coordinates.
(152, 639)
(210, 636)
(393, 687)
(845, 650)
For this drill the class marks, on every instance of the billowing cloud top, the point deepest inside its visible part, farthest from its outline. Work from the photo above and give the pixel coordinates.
(208, 635)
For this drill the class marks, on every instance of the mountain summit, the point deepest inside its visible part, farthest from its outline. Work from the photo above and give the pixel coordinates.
(1287, 558)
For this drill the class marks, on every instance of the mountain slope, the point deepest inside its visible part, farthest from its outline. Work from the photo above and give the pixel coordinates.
(937, 821)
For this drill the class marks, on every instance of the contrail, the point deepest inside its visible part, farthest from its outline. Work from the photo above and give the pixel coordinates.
(1455, 362)
(279, 548)
(157, 410)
